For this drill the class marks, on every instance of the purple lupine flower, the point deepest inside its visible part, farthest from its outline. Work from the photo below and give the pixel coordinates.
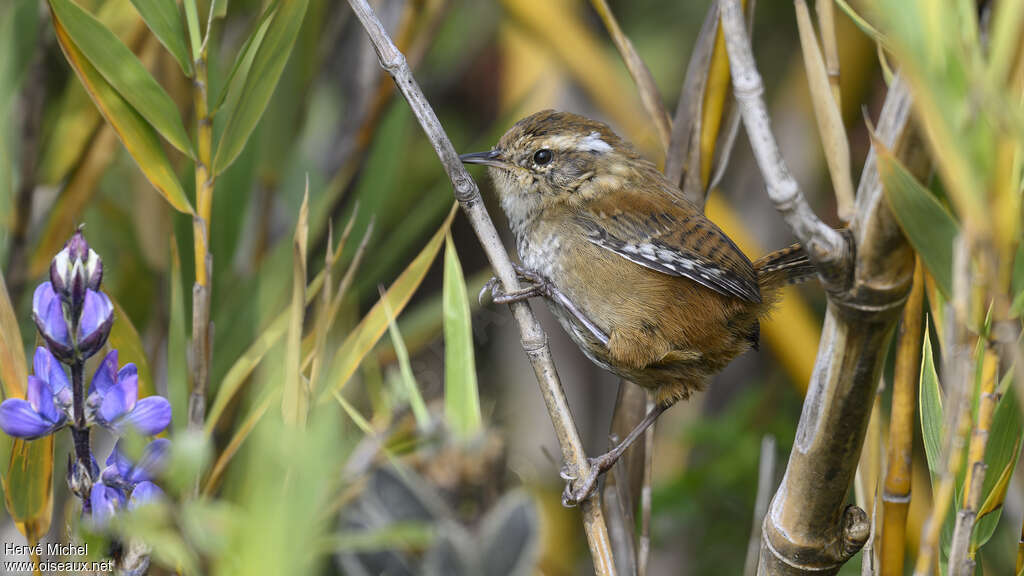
(126, 483)
(144, 493)
(97, 317)
(105, 500)
(127, 475)
(114, 402)
(48, 404)
(75, 269)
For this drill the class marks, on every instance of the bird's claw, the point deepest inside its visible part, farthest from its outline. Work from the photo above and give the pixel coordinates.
(579, 489)
(534, 285)
(489, 288)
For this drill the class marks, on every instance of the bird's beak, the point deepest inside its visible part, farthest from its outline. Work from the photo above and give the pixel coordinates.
(488, 158)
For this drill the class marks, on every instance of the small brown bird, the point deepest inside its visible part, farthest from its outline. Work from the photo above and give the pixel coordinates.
(641, 280)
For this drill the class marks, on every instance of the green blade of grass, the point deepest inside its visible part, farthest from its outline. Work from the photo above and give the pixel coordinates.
(461, 396)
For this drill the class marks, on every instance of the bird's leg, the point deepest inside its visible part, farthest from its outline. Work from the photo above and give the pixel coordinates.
(578, 489)
(537, 285)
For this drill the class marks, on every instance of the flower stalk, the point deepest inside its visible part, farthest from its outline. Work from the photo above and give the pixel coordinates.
(74, 319)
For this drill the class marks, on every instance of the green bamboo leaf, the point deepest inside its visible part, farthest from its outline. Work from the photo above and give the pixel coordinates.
(408, 381)
(13, 368)
(75, 116)
(364, 337)
(164, 19)
(930, 398)
(177, 360)
(192, 19)
(243, 61)
(928, 226)
(123, 71)
(138, 136)
(28, 486)
(125, 339)
(461, 397)
(295, 402)
(267, 65)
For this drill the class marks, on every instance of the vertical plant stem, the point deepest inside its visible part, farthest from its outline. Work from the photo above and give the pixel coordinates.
(957, 423)
(79, 429)
(533, 338)
(899, 467)
(961, 558)
(1020, 550)
(765, 484)
(201, 346)
(644, 549)
(826, 21)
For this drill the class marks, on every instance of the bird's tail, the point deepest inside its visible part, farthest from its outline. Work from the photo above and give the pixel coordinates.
(782, 267)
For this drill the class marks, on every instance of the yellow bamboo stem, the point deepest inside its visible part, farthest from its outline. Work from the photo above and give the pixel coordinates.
(204, 179)
(899, 468)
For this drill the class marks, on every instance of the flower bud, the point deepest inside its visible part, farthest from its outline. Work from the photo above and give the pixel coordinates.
(75, 269)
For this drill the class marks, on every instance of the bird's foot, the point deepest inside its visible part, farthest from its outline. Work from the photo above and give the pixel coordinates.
(579, 489)
(534, 285)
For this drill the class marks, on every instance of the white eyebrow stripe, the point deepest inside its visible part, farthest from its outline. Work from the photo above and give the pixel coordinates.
(593, 143)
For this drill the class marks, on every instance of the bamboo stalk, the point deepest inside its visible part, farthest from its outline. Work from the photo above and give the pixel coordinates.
(808, 528)
(899, 467)
(1020, 550)
(204, 178)
(826, 21)
(644, 548)
(765, 484)
(533, 338)
(958, 413)
(961, 557)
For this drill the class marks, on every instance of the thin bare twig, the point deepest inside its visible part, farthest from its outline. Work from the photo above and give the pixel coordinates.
(765, 486)
(687, 121)
(533, 338)
(644, 549)
(826, 247)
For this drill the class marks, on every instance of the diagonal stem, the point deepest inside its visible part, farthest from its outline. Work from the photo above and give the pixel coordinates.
(533, 338)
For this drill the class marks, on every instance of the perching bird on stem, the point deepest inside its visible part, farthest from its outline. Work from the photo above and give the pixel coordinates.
(642, 281)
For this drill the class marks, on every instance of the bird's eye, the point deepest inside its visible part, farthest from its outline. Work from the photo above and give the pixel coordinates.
(542, 157)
